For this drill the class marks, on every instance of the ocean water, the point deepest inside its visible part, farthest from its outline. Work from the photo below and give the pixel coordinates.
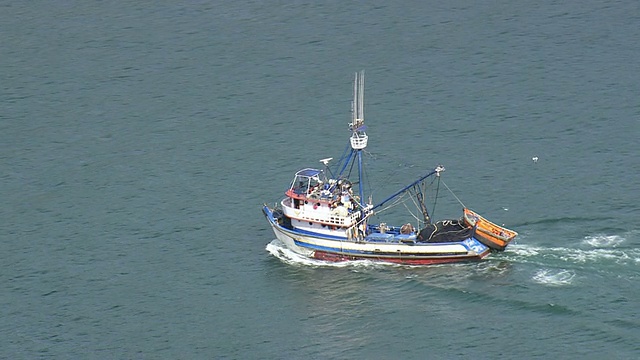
(139, 140)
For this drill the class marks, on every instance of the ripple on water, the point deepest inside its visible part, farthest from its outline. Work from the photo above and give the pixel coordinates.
(554, 277)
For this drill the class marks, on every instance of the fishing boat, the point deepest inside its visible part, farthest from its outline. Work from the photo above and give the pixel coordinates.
(324, 215)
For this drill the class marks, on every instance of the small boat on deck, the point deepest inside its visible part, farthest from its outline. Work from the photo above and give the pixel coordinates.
(494, 236)
(323, 214)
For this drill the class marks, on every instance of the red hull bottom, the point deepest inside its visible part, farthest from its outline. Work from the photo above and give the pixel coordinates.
(325, 256)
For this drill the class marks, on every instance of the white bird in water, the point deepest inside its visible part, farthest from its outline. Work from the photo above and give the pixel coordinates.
(535, 159)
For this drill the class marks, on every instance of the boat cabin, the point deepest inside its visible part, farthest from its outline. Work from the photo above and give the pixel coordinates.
(315, 202)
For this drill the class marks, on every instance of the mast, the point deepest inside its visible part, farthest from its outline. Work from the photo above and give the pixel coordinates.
(359, 137)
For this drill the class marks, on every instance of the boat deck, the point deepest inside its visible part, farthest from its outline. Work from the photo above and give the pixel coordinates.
(390, 238)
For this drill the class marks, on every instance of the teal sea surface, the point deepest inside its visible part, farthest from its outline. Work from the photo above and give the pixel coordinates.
(139, 141)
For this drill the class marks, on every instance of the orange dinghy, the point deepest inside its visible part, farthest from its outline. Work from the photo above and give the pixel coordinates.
(494, 236)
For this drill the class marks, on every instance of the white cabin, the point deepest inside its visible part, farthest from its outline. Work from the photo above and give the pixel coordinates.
(316, 203)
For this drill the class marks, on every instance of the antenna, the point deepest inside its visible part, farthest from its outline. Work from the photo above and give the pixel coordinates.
(326, 165)
(358, 137)
(357, 106)
(361, 93)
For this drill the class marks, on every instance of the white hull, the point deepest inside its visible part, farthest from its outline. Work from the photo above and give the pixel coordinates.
(336, 249)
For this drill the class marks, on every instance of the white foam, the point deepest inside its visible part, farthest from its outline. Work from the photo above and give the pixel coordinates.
(601, 240)
(523, 250)
(593, 248)
(277, 249)
(280, 251)
(554, 277)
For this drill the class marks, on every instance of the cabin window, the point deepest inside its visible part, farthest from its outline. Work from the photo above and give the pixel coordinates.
(301, 188)
(314, 184)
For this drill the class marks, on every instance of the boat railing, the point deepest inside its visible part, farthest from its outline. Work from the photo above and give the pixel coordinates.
(359, 140)
(358, 231)
(332, 219)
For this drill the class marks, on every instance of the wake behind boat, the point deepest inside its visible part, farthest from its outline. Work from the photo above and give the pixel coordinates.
(324, 216)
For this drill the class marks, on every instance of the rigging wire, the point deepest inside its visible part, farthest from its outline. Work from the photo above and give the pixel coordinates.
(366, 176)
(414, 216)
(454, 195)
(435, 200)
(400, 199)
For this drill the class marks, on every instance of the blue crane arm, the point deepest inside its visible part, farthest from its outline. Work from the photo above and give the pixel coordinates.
(405, 188)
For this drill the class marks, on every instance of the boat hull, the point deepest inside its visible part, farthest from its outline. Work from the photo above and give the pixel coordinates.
(334, 248)
(429, 260)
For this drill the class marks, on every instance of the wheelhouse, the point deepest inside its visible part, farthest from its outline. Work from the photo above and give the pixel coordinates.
(307, 181)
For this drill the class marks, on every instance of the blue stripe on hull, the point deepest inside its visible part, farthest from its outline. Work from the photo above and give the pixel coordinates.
(352, 252)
